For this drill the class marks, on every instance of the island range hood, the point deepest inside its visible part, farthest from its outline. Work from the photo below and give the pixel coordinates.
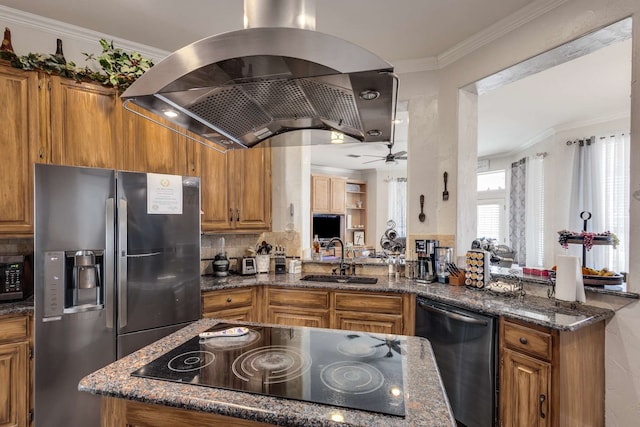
(278, 75)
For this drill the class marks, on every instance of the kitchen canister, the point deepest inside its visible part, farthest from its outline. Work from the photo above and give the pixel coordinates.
(262, 263)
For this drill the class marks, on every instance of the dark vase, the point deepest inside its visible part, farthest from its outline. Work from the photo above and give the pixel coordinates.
(6, 41)
(59, 54)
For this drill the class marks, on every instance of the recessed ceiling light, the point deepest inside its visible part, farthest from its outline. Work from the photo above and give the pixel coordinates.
(369, 95)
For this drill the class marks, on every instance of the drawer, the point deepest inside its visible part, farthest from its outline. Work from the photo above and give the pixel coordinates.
(220, 300)
(353, 301)
(528, 340)
(14, 328)
(299, 298)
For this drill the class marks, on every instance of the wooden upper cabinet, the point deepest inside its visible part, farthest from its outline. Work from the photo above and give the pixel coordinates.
(151, 147)
(251, 177)
(328, 194)
(84, 121)
(215, 202)
(235, 188)
(20, 147)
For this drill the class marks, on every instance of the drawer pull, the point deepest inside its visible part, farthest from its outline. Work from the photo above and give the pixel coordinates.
(542, 399)
(229, 299)
(523, 340)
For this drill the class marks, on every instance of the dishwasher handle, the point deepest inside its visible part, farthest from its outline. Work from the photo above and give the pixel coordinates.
(453, 315)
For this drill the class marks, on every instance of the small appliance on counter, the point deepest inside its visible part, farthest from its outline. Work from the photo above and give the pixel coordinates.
(280, 260)
(16, 279)
(220, 265)
(247, 266)
(425, 251)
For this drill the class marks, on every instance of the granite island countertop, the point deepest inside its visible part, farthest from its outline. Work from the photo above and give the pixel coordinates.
(538, 310)
(425, 400)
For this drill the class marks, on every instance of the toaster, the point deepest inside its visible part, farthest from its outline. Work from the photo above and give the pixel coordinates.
(248, 266)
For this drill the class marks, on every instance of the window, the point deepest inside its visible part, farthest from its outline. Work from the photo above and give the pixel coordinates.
(491, 223)
(398, 204)
(491, 181)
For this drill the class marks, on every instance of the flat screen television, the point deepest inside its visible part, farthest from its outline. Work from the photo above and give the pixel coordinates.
(327, 226)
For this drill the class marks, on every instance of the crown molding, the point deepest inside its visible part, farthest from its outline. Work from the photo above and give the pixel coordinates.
(497, 30)
(59, 28)
(484, 37)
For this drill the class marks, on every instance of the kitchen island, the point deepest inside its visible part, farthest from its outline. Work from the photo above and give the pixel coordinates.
(133, 400)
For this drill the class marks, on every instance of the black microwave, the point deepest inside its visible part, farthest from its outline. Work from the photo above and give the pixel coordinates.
(16, 279)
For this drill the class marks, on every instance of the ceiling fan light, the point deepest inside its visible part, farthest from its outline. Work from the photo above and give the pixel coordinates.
(337, 138)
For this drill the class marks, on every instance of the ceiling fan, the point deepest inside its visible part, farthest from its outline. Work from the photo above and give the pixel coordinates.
(389, 158)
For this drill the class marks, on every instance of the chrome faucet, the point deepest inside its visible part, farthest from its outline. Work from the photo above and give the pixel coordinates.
(343, 267)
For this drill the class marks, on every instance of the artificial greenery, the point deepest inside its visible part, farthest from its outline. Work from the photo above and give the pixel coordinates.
(119, 68)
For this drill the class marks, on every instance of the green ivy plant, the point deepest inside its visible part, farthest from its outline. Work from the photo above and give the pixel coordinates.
(119, 68)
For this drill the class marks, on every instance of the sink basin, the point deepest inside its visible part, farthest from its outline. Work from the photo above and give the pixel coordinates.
(340, 279)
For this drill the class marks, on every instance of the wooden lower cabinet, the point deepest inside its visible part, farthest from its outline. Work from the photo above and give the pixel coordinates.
(298, 307)
(14, 371)
(127, 413)
(550, 377)
(240, 304)
(353, 310)
(366, 312)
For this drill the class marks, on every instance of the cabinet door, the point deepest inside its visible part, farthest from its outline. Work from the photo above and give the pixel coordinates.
(368, 322)
(525, 386)
(290, 316)
(85, 124)
(19, 144)
(251, 174)
(338, 195)
(215, 185)
(320, 194)
(151, 147)
(14, 384)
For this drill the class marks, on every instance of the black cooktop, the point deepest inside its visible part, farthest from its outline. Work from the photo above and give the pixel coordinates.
(342, 368)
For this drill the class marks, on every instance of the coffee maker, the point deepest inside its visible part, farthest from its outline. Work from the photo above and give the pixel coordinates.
(425, 250)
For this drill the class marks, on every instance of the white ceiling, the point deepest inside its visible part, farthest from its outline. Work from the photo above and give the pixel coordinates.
(411, 34)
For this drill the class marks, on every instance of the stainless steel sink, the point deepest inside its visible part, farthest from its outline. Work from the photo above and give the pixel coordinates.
(340, 279)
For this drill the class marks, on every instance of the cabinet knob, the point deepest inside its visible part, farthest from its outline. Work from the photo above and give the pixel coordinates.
(523, 340)
(542, 399)
(229, 299)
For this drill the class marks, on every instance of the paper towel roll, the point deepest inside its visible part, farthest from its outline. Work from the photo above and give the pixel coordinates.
(568, 278)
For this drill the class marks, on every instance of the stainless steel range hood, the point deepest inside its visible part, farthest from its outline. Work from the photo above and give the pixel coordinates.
(240, 88)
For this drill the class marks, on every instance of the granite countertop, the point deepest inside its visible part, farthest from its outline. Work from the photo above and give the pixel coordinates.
(17, 307)
(425, 400)
(530, 308)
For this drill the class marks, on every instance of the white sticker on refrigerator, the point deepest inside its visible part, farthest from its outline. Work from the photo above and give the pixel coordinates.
(164, 194)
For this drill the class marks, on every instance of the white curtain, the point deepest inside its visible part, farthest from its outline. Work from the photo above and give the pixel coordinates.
(600, 185)
(397, 191)
(535, 211)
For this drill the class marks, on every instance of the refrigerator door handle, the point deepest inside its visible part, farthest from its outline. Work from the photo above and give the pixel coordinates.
(122, 263)
(144, 255)
(109, 303)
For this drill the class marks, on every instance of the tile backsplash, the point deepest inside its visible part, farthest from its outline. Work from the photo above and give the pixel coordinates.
(16, 246)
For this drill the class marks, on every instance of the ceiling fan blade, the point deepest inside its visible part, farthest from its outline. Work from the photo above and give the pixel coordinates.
(401, 158)
(399, 153)
(355, 156)
(371, 161)
(371, 155)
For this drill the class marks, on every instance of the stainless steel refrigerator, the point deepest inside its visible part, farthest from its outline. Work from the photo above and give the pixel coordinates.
(117, 266)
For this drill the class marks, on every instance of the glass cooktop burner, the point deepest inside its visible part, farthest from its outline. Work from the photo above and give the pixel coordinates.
(348, 369)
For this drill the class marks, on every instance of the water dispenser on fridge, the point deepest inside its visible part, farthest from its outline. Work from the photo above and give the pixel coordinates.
(74, 281)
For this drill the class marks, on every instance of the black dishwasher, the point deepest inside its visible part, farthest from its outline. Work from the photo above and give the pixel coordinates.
(465, 347)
